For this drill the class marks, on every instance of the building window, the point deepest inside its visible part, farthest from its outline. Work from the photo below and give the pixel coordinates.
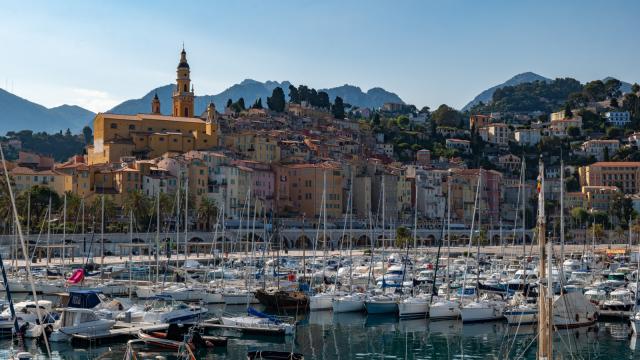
(175, 140)
(186, 112)
(161, 139)
(114, 125)
(132, 127)
(150, 129)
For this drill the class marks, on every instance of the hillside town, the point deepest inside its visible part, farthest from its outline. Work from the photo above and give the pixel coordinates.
(299, 160)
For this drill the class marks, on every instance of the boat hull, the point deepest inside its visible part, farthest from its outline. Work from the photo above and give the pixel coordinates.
(347, 305)
(413, 309)
(380, 307)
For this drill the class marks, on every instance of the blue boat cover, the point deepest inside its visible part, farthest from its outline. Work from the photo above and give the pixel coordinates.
(85, 299)
(260, 314)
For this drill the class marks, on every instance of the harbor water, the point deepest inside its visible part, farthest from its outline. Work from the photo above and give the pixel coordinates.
(323, 335)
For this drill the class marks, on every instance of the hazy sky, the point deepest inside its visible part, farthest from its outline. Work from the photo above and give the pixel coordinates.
(96, 54)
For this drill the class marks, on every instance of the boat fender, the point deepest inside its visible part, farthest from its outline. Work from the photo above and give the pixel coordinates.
(577, 317)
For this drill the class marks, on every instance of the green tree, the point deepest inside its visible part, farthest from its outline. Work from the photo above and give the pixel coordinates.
(257, 104)
(597, 231)
(38, 197)
(403, 237)
(573, 131)
(446, 116)
(294, 95)
(621, 208)
(338, 108)
(579, 215)
(207, 213)
(87, 133)
(276, 101)
(140, 206)
(595, 90)
(403, 121)
(229, 103)
(110, 212)
(568, 114)
(612, 88)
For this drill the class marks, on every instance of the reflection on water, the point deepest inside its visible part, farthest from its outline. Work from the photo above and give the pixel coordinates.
(324, 335)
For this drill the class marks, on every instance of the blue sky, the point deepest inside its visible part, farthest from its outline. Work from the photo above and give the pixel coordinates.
(96, 54)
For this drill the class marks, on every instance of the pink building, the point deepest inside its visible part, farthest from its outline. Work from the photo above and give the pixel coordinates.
(262, 183)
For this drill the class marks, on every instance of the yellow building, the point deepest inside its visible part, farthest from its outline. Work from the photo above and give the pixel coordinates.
(625, 175)
(77, 178)
(24, 178)
(147, 136)
(299, 189)
(258, 146)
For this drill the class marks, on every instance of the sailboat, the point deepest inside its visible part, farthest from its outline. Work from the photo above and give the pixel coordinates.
(446, 307)
(482, 308)
(414, 306)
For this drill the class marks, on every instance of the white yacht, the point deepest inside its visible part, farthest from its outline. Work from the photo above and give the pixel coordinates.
(445, 309)
(348, 303)
(482, 310)
(414, 306)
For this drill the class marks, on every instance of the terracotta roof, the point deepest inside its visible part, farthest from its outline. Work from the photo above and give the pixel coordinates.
(616, 163)
(21, 170)
(140, 117)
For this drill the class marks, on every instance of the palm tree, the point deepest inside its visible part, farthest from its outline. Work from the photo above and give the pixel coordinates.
(37, 198)
(6, 209)
(207, 213)
(110, 211)
(137, 203)
(598, 231)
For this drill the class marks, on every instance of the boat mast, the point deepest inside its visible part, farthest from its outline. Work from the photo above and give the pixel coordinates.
(186, 222)
(158, 237)
(130, 249)
(449, 179)
(561, 268)
(524, 207)
(64, 230)
(545, 296)
(49, 233)
(102, 238)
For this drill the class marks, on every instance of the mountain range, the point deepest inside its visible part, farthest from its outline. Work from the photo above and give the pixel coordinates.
(250, 90)
(17, 114)
(525, 77)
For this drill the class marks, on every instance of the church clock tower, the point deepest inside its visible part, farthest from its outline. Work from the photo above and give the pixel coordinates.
(183, 95)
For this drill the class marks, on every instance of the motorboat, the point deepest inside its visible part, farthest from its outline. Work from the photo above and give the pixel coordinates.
(619, 300)
(79, 321)
(180, 313)
(26, 312)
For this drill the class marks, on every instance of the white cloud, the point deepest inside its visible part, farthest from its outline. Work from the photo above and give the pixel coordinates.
(94, 100)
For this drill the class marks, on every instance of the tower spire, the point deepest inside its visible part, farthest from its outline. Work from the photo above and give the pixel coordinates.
(183, 98)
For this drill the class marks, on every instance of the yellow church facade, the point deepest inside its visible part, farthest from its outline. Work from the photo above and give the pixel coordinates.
(146, 136)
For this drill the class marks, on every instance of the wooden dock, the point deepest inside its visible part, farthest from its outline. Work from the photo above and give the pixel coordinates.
(250, 330)
(120, 331)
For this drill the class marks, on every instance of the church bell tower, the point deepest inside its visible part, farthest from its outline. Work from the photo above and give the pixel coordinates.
(183, 95)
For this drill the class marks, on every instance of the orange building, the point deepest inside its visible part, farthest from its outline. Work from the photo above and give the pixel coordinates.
(625, 175)
(299, 189)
